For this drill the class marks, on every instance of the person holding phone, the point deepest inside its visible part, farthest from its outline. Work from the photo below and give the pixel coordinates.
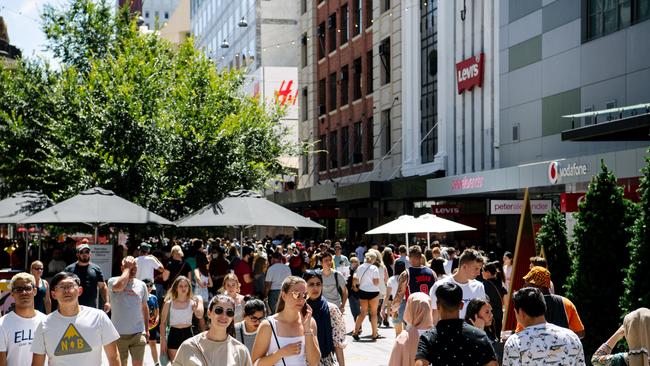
(215, 346)
(288, 338)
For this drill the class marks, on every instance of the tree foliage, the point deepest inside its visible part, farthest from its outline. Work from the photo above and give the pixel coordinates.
(130, 112)
(599, 254)
(552, 237)
(637, 287)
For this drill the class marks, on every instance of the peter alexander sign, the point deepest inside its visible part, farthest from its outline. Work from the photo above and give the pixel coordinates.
(513, 207)
(469, 73)
(558, 170)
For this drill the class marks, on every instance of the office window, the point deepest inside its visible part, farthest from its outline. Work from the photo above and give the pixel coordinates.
(332, 87)
(321, 40)
(369, 17)
(384, 55)
(357, 156)
(607, 16)
(303, 6)
(303, 50)
(331, 30)
(386, 130)
(369, 73)
(322, 155)
(305, 160)
(357, 17)
(385, 5)
(322, 88)
(356, 86)
(345, 32)
(146, 14)
(333, 150)
(370, 139)
(166, 15)
(345, 146)
(345, 85)
(641, 10)
(428, 83)
(303, 104)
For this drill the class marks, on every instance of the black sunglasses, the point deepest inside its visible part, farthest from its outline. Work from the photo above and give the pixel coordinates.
(219, 310)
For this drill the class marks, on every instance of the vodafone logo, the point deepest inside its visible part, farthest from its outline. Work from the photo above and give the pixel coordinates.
(556, 171)
(553, 174)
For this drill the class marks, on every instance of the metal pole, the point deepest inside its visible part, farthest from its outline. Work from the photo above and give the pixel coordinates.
(96, 233)
(428, 241)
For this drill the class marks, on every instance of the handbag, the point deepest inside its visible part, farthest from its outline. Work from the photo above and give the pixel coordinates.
(356, 288)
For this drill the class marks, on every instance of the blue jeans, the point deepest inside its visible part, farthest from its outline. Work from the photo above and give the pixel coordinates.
(355, 309)
(274, 296)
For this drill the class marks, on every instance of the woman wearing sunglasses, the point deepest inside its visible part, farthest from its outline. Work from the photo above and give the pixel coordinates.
(246, 330)
(329, 321)
(42, 300)
(215, 346)
(288, 338)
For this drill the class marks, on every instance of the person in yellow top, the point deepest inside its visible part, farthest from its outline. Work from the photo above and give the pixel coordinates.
(559, 310)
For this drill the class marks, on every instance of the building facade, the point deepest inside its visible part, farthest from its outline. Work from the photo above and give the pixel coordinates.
(157, 13)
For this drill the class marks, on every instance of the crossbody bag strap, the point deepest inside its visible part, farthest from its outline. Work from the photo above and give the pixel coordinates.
(276, 339)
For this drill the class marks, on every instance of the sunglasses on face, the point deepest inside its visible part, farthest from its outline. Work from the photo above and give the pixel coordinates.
(65, 288)
(299, 295)
(37, 268)
(256, 319)
(21, 289)
(219, 310)
(84, 252)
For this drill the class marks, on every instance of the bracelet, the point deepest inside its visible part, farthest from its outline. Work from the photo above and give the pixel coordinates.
(309, 334)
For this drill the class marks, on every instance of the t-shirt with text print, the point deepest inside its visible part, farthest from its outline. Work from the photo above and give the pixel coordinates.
(16, 336)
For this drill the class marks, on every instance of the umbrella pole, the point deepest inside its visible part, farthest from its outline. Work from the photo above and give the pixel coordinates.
(40, 242)
(96, 233)
(407, 241)
(428, 241)
(26, 248)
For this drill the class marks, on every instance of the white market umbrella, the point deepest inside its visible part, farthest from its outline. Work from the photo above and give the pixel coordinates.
(401, 225)
(429, 223)
(96, 207)
(246, 208)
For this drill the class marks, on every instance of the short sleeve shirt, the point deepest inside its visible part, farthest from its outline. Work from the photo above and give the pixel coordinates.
(146, 267)
(90, 276)
(453, 342)
(366, 273)
(126, 306)
(330, 292)
(241, 269)
(16, 335)
(74, 340)
(473, 289)
(276, 274)
(544, 343)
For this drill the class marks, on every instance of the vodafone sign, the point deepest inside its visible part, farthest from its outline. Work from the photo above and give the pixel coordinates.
(469, 73)
(557, 171)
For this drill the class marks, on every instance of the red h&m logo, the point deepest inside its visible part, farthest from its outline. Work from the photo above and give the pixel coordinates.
(469, 73)
(284, 96)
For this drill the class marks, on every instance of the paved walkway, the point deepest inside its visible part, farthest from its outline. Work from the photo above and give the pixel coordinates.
(364, 352)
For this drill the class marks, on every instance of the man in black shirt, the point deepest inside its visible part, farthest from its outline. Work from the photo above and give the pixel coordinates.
(91, 277)
(452, 341)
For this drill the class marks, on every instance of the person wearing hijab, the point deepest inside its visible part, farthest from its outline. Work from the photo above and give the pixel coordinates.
(329, 321)
(417, 316)
(636, 330)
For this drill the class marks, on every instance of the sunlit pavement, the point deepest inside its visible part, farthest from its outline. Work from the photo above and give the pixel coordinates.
(364, 352)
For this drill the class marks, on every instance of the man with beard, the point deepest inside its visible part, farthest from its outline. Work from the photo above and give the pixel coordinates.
(17, 327)
(91, 277)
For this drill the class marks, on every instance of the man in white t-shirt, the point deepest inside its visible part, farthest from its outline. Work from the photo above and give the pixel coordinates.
(275, 275)
(129, 312)
(74, 335)
(469, 267)
(147, 263)
(17, 327)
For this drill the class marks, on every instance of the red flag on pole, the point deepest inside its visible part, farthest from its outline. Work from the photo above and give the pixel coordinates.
(524, 249)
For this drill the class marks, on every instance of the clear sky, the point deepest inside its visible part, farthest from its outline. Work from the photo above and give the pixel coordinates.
(24, 24)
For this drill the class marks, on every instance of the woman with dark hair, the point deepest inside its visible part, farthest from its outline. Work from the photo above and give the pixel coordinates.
(388, 260)
(507, 269)
(260, 265)
(218, 267)
(438, 266)
(329, 321)
(202, 280)
(288, 337)
(217, 345)
(246, 330)
(479, 314)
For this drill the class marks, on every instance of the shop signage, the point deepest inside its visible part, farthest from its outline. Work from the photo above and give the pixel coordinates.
(469, 73)
(445, 210)
(557, 171)
(569, 202)
(462, 184)
(513, 207)
(103, 257)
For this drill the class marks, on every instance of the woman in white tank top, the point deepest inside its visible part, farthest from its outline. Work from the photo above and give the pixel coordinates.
(180, 304)
(288, 338)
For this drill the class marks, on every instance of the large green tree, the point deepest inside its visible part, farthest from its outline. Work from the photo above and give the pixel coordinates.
(154, 122)
(599, 254)
(552, 237)
(637, 287)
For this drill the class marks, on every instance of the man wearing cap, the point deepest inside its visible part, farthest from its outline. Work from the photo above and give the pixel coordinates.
(91, 277)
(147, 263)
(559, 310)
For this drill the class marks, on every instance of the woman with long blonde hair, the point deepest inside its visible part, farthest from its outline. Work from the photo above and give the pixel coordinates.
(231, 287)
(288, 338)
(180, 304)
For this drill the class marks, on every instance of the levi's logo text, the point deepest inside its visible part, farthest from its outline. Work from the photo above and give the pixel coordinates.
(72, 343)
(469, 73)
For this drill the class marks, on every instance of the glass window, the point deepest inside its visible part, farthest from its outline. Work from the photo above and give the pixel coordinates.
(344, 24)
(370, 139)
(333, 150)
(322, 156)
(384, 55)
(321, 97)
(321, 40)
(357, 156)
(385, 5)
(332, 87)
(386, 130)
(303, 50)
(357, 17)
(369, 73)
(345, 146)
(345, 85)
(356, 86)
(331, 32)
(303, 104)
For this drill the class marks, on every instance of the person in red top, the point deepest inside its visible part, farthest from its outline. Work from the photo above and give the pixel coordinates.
(244, 272)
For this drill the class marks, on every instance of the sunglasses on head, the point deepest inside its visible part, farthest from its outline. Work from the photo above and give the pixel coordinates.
(229, 312)
(299, 295)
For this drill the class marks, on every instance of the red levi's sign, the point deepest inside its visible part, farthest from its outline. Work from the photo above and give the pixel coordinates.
(469, 73)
